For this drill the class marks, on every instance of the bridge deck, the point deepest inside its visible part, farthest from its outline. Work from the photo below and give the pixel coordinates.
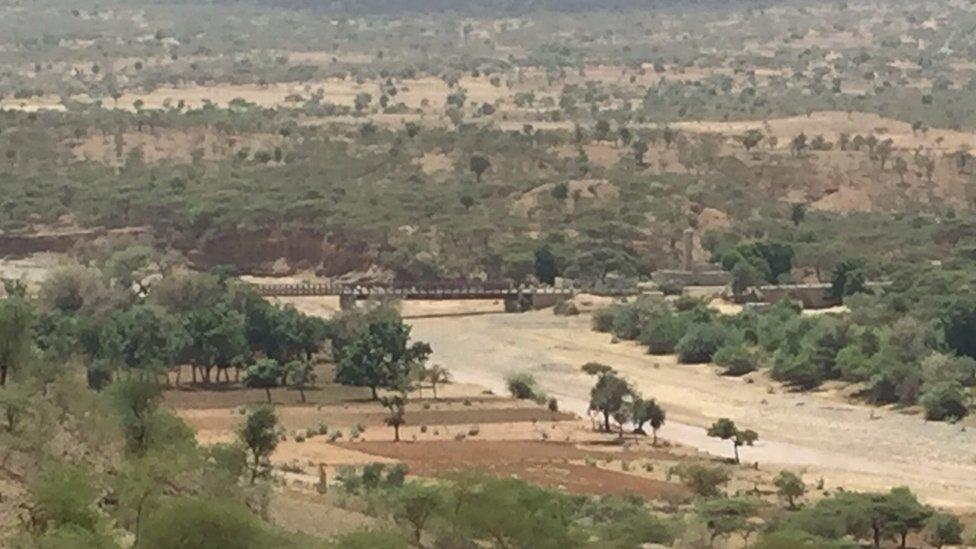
(417, 292)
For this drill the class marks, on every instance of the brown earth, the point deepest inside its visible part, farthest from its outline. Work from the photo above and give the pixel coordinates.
(550, 464)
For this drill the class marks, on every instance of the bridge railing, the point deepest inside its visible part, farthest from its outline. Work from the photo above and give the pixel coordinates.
(490, 290)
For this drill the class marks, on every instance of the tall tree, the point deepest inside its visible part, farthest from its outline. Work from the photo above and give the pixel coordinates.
(259, 436)
(381, 358)
(726, 429)
(264, 374)
(609, 395)
(479, 165)
(16, 320)
(648, 411)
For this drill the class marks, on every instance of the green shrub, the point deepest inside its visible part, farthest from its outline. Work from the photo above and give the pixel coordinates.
(627, 321)
(522, 386)
(195, 523)
(602, 320)
(796, 370)
(701, 341)
(397, 474)
(737, 359)
(944, 401)
(662, 333)
(701, 479)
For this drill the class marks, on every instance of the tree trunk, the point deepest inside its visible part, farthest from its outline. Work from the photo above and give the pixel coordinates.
(903, 536)
(254, 469)
(877, 536)
(3, 375)
(267, 392)
(396, 433)
(433, 388)
(376, 396)
(606, 421)
(301, 391)
(654, 438)
(735, 447)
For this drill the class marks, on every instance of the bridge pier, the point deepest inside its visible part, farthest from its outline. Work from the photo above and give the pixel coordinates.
(543, 301)
(518, 303)
(347, 302)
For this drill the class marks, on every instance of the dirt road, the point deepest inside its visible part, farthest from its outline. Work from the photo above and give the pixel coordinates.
(849, 445)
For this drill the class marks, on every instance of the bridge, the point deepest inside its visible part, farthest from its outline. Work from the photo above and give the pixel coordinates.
(517, 298)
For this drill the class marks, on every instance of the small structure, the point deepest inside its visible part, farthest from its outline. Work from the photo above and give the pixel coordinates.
(812, 296)
(691, 273)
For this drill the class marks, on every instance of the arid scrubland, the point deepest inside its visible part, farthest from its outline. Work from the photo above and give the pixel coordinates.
(158, 158)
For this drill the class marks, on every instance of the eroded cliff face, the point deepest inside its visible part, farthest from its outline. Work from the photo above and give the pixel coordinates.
(270, 251)
(56, 241)
(281, 251)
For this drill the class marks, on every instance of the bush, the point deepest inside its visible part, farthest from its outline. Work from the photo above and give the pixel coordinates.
(553, 405)
(627, 321)
(522, 386)
(943, 529)
(700, 479)
(602, 320)
(662, 333)
(701, 341)
(796, 370)
(397, 474)
(944, 401)
(737, 359)
(190, 523)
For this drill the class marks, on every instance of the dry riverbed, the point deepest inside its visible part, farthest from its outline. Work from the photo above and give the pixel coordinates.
(848, 444)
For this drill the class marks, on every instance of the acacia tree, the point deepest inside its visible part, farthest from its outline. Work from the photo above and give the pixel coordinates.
(300, 375)
(648, 411)
(437, 375)
(751, 138)
(726, 429)
(414, 504)
(265, 374)
(789, 486)
(609, 395)
(212, 337)
(397, 407)
(141, 339)
(640, 149)
(728, 515)
(381, 358)
(259, 437)
(943, 529)
(479, 165)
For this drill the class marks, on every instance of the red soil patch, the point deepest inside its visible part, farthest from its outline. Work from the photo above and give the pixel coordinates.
(542, 463)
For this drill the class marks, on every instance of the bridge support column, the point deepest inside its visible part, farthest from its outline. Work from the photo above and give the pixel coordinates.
(518, 304)
(543, 301)
(347, 302)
